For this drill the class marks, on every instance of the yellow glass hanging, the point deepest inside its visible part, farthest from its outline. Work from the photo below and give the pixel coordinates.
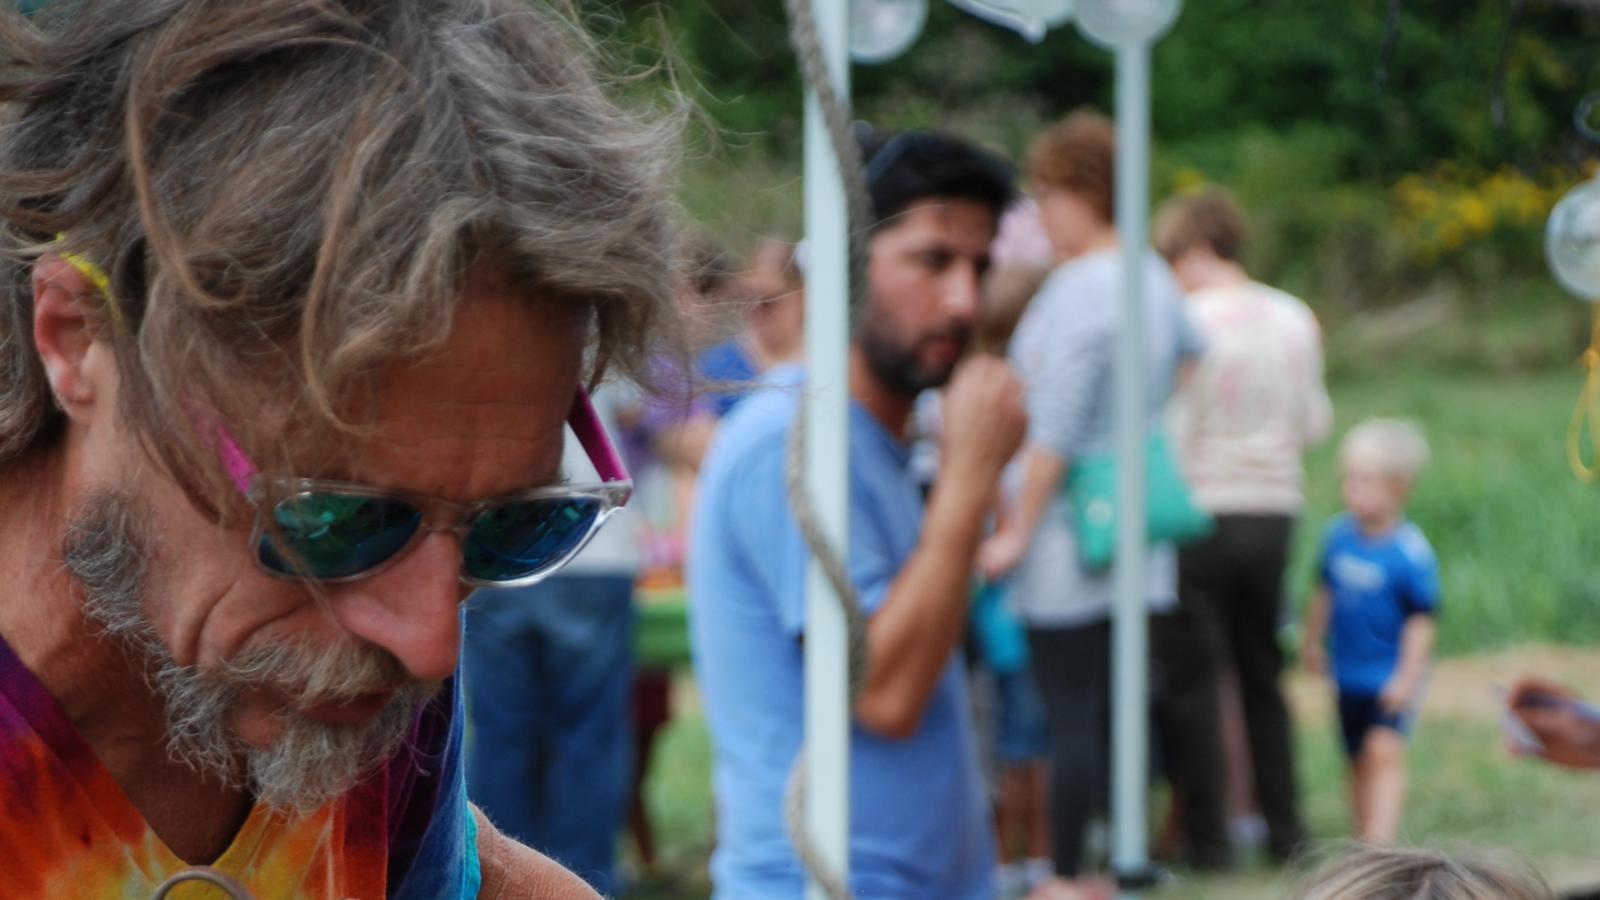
(1586, 415)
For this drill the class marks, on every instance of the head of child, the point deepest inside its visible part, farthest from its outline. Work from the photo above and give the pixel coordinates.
(1007, 291)
(1379, 461)
(1376, 873)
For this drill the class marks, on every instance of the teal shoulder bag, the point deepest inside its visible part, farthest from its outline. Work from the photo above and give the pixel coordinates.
(1173, 516)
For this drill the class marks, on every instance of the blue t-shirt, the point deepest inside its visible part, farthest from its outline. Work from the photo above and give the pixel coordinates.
(731, 371)
(919, 819)
(1374, 585)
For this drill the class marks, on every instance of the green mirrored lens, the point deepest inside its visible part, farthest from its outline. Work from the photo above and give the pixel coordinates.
(335, 535)
(514, 540)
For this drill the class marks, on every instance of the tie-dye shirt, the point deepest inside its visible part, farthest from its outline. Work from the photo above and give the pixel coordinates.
(68, 830)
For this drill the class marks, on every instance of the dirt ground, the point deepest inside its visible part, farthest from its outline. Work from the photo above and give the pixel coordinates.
(1465, 688)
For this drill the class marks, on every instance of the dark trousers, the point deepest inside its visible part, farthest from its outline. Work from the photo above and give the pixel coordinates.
(1073, 670)
(1230, 590)
(549, 679)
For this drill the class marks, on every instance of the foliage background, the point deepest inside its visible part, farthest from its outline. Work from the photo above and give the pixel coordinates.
(1410, 184)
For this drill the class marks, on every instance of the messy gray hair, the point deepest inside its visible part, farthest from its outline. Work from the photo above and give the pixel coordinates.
(288, 194)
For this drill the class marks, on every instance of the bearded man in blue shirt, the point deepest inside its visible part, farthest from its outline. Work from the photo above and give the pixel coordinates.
(920, 823)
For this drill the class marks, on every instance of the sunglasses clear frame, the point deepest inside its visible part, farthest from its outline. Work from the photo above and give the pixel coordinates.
(268, 493)
(438, 516)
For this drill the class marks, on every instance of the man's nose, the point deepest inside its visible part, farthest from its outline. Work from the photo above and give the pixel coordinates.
(412, 609)
(963, 292)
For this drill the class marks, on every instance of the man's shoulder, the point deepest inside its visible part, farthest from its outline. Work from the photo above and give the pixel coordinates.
(754, 430)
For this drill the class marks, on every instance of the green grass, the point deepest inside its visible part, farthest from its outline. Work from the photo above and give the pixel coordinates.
(1465, 794)
(1518, 537)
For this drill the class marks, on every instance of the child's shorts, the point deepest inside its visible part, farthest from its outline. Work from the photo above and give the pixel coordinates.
(1360, 713)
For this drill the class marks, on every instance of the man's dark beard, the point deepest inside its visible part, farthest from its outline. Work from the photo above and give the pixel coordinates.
(107, 551)
(895, 364)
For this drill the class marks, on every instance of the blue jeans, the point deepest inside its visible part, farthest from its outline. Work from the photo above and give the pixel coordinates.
(549, 676)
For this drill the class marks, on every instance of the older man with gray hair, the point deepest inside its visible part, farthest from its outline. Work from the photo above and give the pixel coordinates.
(298, 299)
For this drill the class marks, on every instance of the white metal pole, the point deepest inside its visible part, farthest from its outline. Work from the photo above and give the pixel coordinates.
(1130, 645)
(827, 714)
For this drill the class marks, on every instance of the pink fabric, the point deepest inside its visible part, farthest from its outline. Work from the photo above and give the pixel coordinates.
(1022, 242)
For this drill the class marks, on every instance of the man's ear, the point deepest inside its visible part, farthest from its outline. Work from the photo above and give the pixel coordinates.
(65, 334)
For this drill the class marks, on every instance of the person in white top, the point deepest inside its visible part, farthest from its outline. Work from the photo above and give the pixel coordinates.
(1241, 422)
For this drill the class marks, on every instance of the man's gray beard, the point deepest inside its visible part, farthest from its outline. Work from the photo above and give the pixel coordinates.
(309, 763)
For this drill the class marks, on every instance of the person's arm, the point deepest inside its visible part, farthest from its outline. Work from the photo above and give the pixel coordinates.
(1416, 647)
(1062, 386)
(1566, 736)
(1042, 471)
(1314, 633)
(914, 630)
(511, 871)
(1317, 419)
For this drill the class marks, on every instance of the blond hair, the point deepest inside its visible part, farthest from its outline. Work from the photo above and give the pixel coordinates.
(1375, 873)
(287, 195)
(1394, 447)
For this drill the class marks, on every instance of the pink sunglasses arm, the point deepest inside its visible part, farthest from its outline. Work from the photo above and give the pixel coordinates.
(239, 467)
(591, 434)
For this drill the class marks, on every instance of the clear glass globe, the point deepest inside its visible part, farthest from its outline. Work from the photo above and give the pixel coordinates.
(881, 30)
(1572, 241)
(1120, 22)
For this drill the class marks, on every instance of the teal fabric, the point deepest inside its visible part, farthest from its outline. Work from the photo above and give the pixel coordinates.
(471, 869)
(1001, 638)
(1173, 516)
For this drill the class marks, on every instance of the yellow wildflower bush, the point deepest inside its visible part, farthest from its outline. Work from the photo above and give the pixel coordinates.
(1443, 212)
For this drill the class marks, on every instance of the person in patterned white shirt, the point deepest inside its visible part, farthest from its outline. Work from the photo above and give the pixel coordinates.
(1241, 422)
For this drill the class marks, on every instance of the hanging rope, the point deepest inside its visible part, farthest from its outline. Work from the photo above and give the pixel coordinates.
(858, 209)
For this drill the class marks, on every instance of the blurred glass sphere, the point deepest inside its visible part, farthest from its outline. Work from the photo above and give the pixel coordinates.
(881, 30)
(1572, 241)
(1119, 22)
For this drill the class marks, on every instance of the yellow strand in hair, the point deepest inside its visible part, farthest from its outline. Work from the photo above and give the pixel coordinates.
(102, 283)
(1587, 411)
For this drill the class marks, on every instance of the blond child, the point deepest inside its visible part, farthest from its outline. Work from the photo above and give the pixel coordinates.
(1378, 873)
(1376, 597)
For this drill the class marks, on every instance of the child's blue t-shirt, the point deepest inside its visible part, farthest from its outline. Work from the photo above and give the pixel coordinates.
(1374, 585)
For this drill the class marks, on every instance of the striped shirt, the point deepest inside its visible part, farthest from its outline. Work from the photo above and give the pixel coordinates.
(1064, 351)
